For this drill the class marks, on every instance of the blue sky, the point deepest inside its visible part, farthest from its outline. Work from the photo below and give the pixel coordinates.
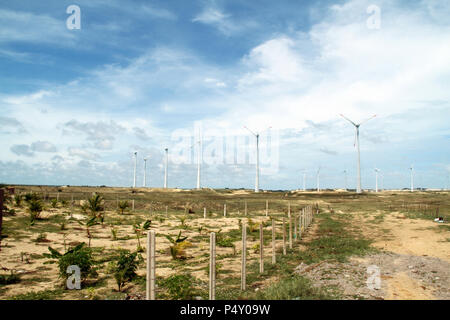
(145, 75)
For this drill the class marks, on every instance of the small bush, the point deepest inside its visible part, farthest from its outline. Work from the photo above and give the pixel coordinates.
(125, 268)
(180, 286)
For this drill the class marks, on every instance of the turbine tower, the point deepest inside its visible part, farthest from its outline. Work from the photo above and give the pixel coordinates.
(135, 165)
(412, 178)
(358, 163)
(166, 164)
(376, 179)
(257, 157)
(304, 180)
(199, 159)
(345, 179)
(318, 180)
(145, 172)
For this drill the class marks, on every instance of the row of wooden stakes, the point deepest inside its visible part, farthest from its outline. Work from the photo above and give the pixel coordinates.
(300, 222)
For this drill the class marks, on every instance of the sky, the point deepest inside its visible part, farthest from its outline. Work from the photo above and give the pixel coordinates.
(77, 100)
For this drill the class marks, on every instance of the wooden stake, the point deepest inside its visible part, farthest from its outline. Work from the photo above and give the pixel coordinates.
(274, 255)
(244, 257)
(289, 209)
(261, 249)
(284, 236)
(290, 232)
(212, 266)
(295, 227)
(151, 239)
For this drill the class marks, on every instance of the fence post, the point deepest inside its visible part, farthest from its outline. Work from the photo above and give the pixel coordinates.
(289, 209)
(150, 265)
(132, 204)
(295, 227)
(267, 208)
(167, 212)
(225, 210)
(204, 213)
(244, 257)
(261, 249)
(300, 226)
(212, 266)
(274, 256)
(284, 236)
(245, 207)
(1, 216)
(290, 232)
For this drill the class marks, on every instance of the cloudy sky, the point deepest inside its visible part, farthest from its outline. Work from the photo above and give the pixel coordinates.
(145, 75)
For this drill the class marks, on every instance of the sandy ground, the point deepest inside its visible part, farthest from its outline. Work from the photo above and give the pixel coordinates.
(414, 263)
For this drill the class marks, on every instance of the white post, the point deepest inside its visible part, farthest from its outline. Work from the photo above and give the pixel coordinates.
(290, 232)
(245, 207)
(300, 226)
(212, 266)
(261, 249)
(358, 168)
(151, 265)
(167, 213)
(145, 172)
(132, 204)
(225, 210)
(284, 237)
(204, 213)
(267, 208)
(289, 209)
(244, 256)
(273, 242)
(295, 227)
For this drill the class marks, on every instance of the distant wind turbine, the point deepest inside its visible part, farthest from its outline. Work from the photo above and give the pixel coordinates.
(257, 157)
(145, 172)
(358, 164)
(412, 178)
(376, 179)
(135, 165)
(166, 164)
(318, 180)
(345, 179)
(199, 159)
(304, 180)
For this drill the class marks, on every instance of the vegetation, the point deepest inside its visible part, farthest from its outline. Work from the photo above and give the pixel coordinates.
(178, 246)
(79, 256)
(125, 268)
(138, 230)
(35, 208)
(180, 286)
(122, 206)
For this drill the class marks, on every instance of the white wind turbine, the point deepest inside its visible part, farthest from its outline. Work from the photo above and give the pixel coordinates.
(412, 178)
(304, 180)
(145, 172)
(257, 156)
(376, 179)
(318, 180)
(199, 159)
(345, 179)
(166, 164)
(358, 164)
(135, 165)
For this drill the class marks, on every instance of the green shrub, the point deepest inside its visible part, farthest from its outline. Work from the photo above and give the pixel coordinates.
(180, 286)
(79, 256)
(125, 268)
(35, 208)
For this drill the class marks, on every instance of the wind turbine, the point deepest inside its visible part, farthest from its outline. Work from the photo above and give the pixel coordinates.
(257, 157)
(345, 179)
(412, 178)
(318, 180)
(376, 179)
(135, 165)
(166, 164)
(304, 180)
(145, 172)
(199, 159)
(358, 164)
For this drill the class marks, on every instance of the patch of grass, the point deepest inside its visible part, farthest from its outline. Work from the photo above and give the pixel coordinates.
(294, 288)
(40, 295)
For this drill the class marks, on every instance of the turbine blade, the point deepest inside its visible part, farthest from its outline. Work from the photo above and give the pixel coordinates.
(368, 119)
(347, 119)
(250, 131)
